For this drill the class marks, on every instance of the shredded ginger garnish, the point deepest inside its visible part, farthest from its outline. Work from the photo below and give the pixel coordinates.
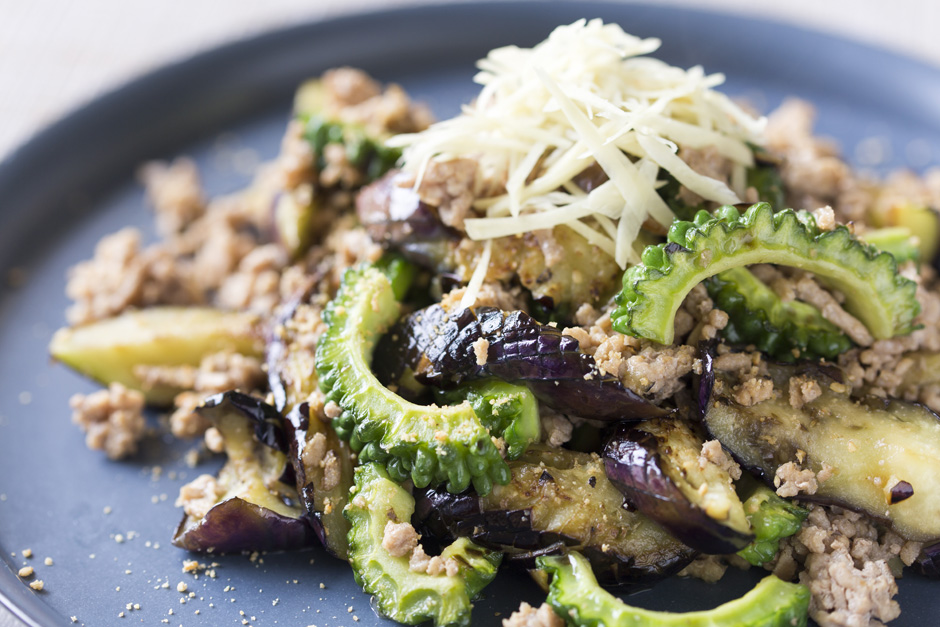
(584, 95)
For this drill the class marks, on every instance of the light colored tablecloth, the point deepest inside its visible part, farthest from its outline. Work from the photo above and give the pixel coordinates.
(56, 55)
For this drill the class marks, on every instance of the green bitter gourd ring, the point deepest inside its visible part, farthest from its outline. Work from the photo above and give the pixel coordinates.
(425, 443)
(653, 290)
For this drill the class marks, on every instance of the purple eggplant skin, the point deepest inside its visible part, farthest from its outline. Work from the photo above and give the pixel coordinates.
(928, 562)
(635, 462)
(267, 421)
(438, 347)
(236, 526)
(580, 511)
(255, 442)
(397, 219)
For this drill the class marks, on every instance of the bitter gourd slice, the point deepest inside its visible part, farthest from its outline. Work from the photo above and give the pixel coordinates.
(782, 329)
(772, 518)
(401, 594)
(575, 595)
(653, 290)
(425, 443)
(507, 410)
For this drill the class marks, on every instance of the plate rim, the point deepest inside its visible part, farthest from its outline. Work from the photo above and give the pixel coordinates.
(31, 608)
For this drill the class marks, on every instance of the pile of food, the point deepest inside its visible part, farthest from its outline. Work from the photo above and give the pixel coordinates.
(605, 325)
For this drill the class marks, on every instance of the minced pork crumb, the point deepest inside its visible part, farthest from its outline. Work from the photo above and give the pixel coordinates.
(449, 186)
(708, 568)
(401, 540)
(175, 193)
(255, 285)
(713, 453)
(848, 563)
(199, 495)
(791, 480)
(122, 275)
(528, 616)
(111, 419)
(217, 372)
(481, 349)
(803, 389)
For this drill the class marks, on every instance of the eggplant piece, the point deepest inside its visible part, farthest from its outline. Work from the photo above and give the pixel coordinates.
(396, 218)
(870, 447)
(321, 461)
(928, 562)
(558, 501)
(439, 348)
(656, 465)
(257, 510)
(109, 350)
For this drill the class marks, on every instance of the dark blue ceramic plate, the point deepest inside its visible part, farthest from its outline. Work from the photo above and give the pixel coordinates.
(74, 183)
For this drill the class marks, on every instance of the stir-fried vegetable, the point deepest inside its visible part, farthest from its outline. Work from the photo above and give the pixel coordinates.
(783, 329)
(444, 349)
(400, 593)
(656, 465)
(559, 501)
(574, 594)
(653, 290)
(112, 349)
(253, 508)
(772, 519)
(427, 444)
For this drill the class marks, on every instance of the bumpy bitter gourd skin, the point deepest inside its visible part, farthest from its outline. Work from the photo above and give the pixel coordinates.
(653, 290)
(508, 411)
(424, 443)
(772, 519)
(399, 593)
(575, 595)
(782, 329)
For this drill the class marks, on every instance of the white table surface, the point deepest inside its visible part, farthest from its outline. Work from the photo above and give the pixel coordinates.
(57, 54)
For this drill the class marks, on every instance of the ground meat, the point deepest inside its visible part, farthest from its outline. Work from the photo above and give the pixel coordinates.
(803, 389)
(346, 86)
(256, 283)
(753, 391)
(811, 171)
(449, 186)
(355, 97)
(712, 453)
(296, 160)
(399, 539)
(808, 291)
(657, 373)
(848, 562)
(490, 295)
(825, 218)
(121, 275)
(175, 192)
(199, 495)
(185, 422)
(556, 428)
(111, 419)
(420, 562)
(480, 349)
(221, 372)
(707, 161)
(843, 595)
(708, 568)
(215, 441)
(791, 480)
(733, 362)
(528, 616)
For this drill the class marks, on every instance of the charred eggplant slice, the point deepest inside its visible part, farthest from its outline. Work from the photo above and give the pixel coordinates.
(656, 465)
(322, 462)
(254, 509)
(882, 456)
(443, 349)
(558, 501)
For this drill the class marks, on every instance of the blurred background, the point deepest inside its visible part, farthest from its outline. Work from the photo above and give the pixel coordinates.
(57, 54)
